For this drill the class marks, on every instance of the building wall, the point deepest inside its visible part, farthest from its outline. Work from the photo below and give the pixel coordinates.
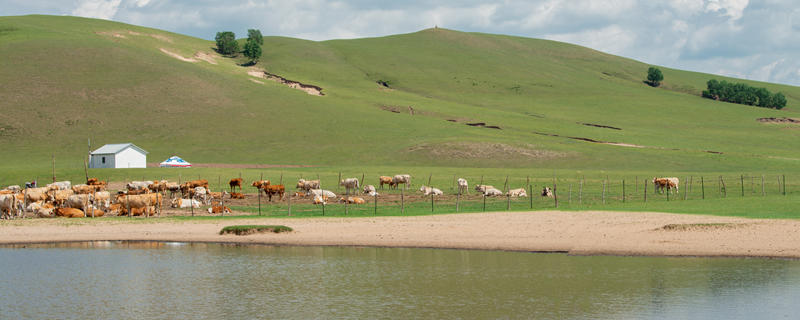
(130, 158)
(96, 161)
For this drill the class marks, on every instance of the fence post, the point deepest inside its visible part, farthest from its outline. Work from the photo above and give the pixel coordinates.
(402, 202)
(375, 198)
(623, 190)
(505, 185)
(604, 192)
(555, 193)
(337, 181)
(289, 202)
(429, 179)
(453, 186)
(645, 190)
(668, 188)
(281, 181)
(724, 188)
(530, 194)
(784, 184)
(484, 202)
(346, 198)
(508, 202)
(742, 180)
(222, 203)
(702, 189)
(431, 201)
(580, 192)
(635, 184)
(458, 199)
(688, 188)
(763, 191)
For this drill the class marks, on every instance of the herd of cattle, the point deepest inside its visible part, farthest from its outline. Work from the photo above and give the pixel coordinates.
(62, 199)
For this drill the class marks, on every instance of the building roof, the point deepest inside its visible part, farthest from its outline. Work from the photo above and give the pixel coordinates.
(117, 148)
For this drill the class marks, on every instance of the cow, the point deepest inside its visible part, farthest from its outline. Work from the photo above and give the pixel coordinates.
(235, 182)
(370, 190)
(299, 194)
(324, 193)
(430, 191)
(14, 188)
(189, 185)
(385, 180)
(307, 184)
(237, 195)
(36, 194)
(352, 200)
(102, 200)
(547, 192)
(218, 195)
(517, 193)
(275, 189)
(349, 184)
(59, 196)
(138, 185)
(185, 203)
(7, 192)
(60, 185)
(83, 189)
(483, 187)
(405, 179)
(158, 186)
(462, 185)
(669, 183)
(260, 184)
(79, 201)
(69, 213)
(218, 209)
(41, 210)
(141, 201)
(95, 182)
(150, 210)
(201, 193)
(319, 199)
(492, 191)
(173, 188)
(9, 207)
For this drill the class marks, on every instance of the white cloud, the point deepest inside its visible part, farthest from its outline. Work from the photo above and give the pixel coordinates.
(731, 8)
(612, 39)
(100, 9)
(141, 3)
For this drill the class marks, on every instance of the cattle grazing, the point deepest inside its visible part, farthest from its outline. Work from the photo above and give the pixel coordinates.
(41, 210)
(547, 192)
(36, 194)
(299, 194)
(83, 189)
(95, 182)
(274, 189)
(430, 191)
(200, 193)
(319, 199)
(138, 202)
(483, 187)
(235, 182)
(190, 185)
(237, 195)
(462, 185)
(492, 191)
(102, 200)
(185, 203)
(158, 186)
(59, 196)
(669, 183)
(79, 201)
(349, 184)
(69, 213)
(404, 179)
(517, 193)
(173, 188)
(14, 188)
(260, 184)
(218, 209)
(138, 185)
(307, 184)
(385, 180)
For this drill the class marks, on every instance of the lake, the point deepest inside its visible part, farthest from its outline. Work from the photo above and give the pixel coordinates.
(155, 280)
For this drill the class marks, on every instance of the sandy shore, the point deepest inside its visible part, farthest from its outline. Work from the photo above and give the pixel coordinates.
(580, 233)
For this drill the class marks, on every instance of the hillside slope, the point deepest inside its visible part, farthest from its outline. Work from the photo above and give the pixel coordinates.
(402, 100)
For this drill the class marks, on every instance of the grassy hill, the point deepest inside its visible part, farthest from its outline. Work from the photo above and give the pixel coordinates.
(66, 79)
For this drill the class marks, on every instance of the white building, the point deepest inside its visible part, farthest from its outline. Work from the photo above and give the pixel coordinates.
(121, 155)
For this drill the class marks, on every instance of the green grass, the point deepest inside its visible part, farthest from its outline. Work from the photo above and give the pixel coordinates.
(66, 79)
(244, 230)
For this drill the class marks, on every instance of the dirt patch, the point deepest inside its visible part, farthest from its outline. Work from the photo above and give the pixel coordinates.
(177, 56)
(599, 126)
(111, 34)
(257, 81)
(162, 38)
(308, 88)
(205, 57)
(699, 226)
(484, 150)
(778, 120)
(482, 125)
(629, 145)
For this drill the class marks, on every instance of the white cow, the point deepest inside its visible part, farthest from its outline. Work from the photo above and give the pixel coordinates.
(9, 207)
(322, 193)
(405, 179)
(40, 210)
(138, 185)
(489, 192)
(60, 185)
(15, 188)
(185, 203)
(429, 190)
(349, 183)
(462, 185)
(370, 190)
(517, 192)
(547, 192)
(482, 187)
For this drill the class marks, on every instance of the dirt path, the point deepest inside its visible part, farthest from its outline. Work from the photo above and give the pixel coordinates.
(582, 233)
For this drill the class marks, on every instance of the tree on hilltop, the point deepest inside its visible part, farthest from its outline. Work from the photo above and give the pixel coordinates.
(654, 77)
(252, 51)
(255, 34)
(226, 43)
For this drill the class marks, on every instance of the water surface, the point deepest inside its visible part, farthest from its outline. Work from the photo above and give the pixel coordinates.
(124, 280)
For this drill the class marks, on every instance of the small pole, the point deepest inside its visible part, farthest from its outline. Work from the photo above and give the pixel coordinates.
(431, 201)
(375, 198)
(645, 190)
(742, 180)
(222, 203)
(484, 202)
(346, 199)
(527, 181)
(429, 179)
(481, 180)
(128, 204)
(763, 191)
(54, 167)
(191, 204)
(458, 199)
(453, 186)
(86, 172)
(530, 194)
(635, 184)
(784, 184)
(289, 202)
(604, 192)
(555, 193)
(258, 190)
(402, 201)
(688, 188)
(337, 181)
(281, 180)
(508, 202)
(668, 188)
(505, 185)
(702, 189)
(623, 190)
(724, 189)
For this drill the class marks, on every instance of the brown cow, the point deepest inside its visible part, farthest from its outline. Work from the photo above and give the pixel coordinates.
(190, 185)
(260, 184)
(69, 213)
(83, 189)
(237, 195)
(385, 180)
(235, 182)
(218, 209)
(274, 189)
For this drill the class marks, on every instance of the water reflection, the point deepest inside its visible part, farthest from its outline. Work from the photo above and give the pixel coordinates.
(180, 281)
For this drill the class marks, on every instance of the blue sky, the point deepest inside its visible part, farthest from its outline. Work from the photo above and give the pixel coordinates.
(756, 40)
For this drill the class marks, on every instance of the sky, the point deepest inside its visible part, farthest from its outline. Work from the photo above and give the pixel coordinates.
(756, 40)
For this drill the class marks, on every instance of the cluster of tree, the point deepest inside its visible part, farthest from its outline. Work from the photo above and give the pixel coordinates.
(743, 94)
(227, 44)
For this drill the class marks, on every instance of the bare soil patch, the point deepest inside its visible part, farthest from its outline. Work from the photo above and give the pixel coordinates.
(207, 57)
(779, 120)
(699, 226)
(308, 88)
(621, 144)
(177, 56)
